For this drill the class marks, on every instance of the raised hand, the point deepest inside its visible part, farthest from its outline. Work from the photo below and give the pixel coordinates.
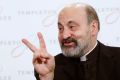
(43, 62)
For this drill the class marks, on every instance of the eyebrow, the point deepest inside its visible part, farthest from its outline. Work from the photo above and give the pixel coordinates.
(69, 22)
(59, 23)
(72, 22)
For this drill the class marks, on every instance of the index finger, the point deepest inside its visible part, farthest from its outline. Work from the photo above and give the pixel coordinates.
(41, 41)
(29, 45)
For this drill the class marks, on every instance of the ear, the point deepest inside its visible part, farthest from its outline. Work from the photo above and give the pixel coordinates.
(94, 28)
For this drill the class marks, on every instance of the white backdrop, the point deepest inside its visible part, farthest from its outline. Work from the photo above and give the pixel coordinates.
(24, 18)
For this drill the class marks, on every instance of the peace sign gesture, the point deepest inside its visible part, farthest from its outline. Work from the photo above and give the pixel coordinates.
(43, 62)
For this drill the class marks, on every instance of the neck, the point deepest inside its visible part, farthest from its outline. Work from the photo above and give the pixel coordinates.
(90, 47)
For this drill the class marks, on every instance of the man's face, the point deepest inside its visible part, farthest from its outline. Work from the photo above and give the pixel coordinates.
(74, 32)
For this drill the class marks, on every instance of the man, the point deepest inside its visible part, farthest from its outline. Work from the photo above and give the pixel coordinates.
(82, 57)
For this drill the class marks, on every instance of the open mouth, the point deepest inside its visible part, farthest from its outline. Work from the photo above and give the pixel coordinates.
(69, 44)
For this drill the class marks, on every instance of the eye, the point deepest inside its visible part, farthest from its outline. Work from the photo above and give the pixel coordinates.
(72, 27)
(60, 29)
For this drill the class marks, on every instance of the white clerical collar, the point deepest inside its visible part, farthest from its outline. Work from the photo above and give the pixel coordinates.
(83, 58)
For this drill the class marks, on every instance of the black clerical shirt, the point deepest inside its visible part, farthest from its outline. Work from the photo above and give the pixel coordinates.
(90, 65)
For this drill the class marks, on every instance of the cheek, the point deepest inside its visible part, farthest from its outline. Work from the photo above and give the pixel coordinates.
(77, 35)
(60, 38)
(81, 36)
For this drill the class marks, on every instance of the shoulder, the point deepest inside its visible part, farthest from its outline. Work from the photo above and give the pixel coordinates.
(109, 50)
(60, 59)
(60, 56)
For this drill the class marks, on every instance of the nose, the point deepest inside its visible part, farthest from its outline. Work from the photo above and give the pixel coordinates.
(66, 34)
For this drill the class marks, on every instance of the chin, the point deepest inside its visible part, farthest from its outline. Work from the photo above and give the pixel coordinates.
(71, 52)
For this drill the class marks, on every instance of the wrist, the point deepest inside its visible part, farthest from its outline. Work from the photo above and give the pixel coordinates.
(49, 76)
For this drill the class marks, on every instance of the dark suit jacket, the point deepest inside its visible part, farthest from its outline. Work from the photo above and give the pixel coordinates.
(108, 67)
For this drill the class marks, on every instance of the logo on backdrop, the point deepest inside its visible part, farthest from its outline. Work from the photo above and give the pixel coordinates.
(2, 16)
(49, 20)
(112, 17)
